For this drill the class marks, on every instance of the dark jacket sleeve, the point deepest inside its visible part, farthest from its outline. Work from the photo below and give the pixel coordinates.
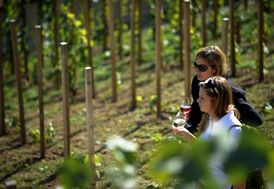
(195, 113)
(248, 115)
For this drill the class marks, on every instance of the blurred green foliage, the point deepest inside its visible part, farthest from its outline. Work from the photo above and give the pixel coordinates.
(185, 164)
(122, 175)
(75, 173)
(49, 134)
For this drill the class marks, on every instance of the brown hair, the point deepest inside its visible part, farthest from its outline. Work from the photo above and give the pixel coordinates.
(215, 58)
(219, 90)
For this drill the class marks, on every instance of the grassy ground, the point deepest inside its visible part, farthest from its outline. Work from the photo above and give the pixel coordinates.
(22, 163)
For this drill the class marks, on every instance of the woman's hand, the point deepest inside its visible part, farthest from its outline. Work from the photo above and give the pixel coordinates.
(183, 132)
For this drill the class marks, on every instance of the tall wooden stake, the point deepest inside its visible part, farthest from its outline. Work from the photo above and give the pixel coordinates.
(39, 48)
(232, 41)
(89, 39)
(132, 57)
(158, 55)
(203, 18)
(181, 33)
(260, 37)
(215, 19)
(187, 72)
(90, 124)
(55, 62)
(140, 48)
(18, 81)
(2, 101)
(112, 50)
(105, 27)
(225, 35)
(65, 96)
(120, 34)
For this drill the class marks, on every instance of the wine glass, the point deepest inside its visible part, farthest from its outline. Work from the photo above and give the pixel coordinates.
(185, 106)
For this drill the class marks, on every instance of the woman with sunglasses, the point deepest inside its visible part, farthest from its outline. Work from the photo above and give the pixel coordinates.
(219, 120)
(210, 61)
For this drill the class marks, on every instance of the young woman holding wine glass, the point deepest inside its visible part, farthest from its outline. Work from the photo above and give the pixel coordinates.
(220, 116)
(210, 61)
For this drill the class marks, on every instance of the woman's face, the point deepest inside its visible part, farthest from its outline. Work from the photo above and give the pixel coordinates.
(201, 74)
(205, 102)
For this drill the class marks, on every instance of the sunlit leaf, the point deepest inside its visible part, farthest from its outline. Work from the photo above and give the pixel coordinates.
(123, 150)
(139, 98)
(70, 15)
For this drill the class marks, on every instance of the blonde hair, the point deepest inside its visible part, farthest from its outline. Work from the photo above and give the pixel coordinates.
(215, 58)
(220, 92)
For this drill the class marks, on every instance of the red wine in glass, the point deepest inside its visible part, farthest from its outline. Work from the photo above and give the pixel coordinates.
(185, 108)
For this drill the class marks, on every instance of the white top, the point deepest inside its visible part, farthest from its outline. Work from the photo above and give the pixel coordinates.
(224, 124)
(228, 138)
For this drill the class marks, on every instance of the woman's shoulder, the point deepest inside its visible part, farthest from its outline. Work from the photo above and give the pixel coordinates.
(236, 90)
(230, 119)
(195, 79)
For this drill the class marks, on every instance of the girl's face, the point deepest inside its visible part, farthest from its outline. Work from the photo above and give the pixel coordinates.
(203, 69)
(205, 102)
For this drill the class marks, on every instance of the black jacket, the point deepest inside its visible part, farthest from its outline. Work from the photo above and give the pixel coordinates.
(248, 115)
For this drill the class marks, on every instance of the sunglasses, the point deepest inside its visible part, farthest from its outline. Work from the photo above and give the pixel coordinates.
(201, 68)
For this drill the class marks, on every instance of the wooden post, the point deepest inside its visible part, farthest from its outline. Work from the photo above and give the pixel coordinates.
(215, 19)
(139, 4)
(158, 55)
(112, 51)
(105, 31)
(2, 101)
(181, 33)
(1, 3)
(225, 35)
(203, 18)
(65, 96)
(89, 39)
(187, 72)
(39, 48)
(18, 81)
(55, 62)
(132, 57)
(120, 34)
(90, 124)
(260, 39)
(232, 41)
